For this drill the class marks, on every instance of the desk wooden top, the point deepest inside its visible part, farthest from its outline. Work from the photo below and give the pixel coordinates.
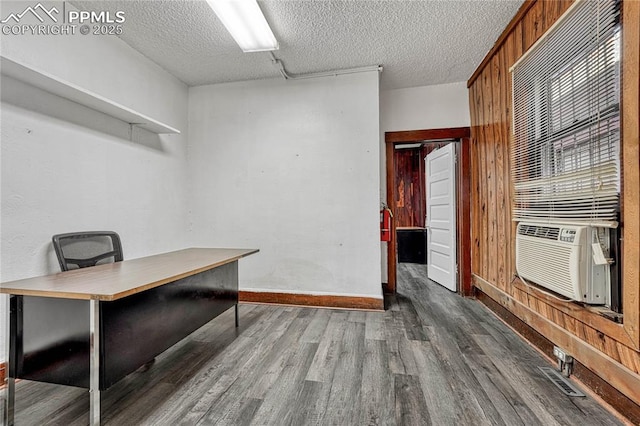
(114, 281)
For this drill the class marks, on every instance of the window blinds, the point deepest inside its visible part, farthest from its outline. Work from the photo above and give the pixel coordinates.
(566, 120)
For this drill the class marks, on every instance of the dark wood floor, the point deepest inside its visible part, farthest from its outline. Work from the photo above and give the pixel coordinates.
(431, 358)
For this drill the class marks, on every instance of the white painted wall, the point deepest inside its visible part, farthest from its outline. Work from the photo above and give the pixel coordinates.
(67, 168)
(416, 108)
(425, 107)
(291, 168)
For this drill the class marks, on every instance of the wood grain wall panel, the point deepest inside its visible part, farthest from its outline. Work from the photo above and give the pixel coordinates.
(502, 187)
(517, 49)
(410, 204)
(612, 347)
(533, 24)
(490, 152)
(476, 222)
(512, 51)
(506, 166)
(486, 174)
(409, 209)
(554, 9)
(629, 358)
(493, 231)
(476, 206)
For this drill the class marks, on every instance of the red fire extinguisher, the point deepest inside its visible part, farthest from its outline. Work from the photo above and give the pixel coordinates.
(385, 224)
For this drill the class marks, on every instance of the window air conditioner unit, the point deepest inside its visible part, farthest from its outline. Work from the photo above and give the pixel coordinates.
(561, 258)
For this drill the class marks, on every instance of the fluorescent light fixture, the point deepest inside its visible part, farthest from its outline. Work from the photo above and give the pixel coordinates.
(246, 23)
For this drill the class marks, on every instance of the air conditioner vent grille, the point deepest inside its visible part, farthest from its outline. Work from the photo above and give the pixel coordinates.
(550, 233)
(560, 258)
(547, 265)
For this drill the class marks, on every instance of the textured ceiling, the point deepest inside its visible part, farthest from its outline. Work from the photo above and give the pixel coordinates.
(419, 43)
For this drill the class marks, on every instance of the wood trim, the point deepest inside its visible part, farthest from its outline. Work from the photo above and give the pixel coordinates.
(464, 216)
(392, 253)
(581, 313)
(464, 185)
(618, 401)
(3, 373)
(325, 301)
(631, 167)
(425, 135)
(620, 377)
(528, 4)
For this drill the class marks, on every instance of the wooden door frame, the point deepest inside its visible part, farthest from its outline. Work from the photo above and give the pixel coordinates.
(463, 198)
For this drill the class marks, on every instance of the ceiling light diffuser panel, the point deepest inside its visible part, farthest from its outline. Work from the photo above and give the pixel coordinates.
(246, 23)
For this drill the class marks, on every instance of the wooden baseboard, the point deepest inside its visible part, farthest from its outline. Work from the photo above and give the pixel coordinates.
(3, 370)
(616, 399)
(326, 301)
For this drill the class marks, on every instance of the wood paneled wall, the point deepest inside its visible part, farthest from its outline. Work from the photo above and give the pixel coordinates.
(409, 204)
(610, 350)
(410, 201)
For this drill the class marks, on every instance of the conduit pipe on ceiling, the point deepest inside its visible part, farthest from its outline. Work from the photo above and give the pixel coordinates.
(280, 66)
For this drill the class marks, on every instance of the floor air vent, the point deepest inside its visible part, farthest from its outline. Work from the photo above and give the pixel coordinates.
(560, 381)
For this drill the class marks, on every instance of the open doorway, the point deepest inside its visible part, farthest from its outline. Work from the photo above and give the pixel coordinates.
(407, 198)
(409, 204)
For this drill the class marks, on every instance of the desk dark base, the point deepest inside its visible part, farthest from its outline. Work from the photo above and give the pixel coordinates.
(412, 245)
(52, 336)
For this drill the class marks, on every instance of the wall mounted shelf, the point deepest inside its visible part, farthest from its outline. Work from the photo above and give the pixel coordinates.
(52, 84)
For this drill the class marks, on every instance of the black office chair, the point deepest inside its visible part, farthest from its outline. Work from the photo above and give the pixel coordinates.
(77, 250)
(82, 249)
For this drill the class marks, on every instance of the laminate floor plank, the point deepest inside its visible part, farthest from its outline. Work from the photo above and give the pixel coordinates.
(323, 365)
(411, 408)
(317, 326)
(213, 380)
(357, 316)
(507, 401)
(264, 318)
(401, 360)
(346, 384)
(374, 326)
(249, 408)
(279, 403)
(439, 395)
(310, 404)
(137, 411)
(271, 364)
(589, 411)
(413, 325)
(258, 356)
(264, 361)
(477, 406)
(376, 395)
(67, 403)
(548, 403)
(432, 357)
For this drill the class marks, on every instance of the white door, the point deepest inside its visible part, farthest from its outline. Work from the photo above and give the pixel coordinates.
(441, 216)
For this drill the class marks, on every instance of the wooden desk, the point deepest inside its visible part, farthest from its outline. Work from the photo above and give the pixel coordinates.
(91, 327)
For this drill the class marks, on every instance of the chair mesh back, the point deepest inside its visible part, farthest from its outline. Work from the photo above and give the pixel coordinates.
(83, 249)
